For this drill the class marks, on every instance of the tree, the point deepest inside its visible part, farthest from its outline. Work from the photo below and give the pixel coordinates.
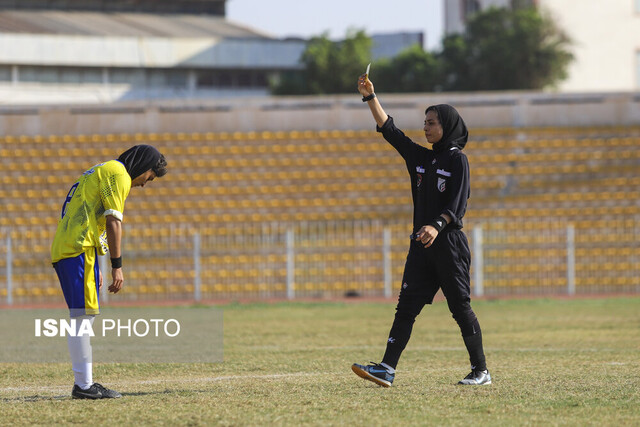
(412, 70)
(506, 49)
(329, 67)
(502, 49)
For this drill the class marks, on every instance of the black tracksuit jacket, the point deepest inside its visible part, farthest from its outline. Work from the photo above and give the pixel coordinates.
(439, 178)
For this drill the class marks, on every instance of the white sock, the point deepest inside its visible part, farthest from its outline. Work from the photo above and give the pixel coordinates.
(389, 368)
(80, 351)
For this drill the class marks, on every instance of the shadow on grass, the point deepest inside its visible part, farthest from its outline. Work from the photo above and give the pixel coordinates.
(35, 398)
(38, 398)
(167, 391)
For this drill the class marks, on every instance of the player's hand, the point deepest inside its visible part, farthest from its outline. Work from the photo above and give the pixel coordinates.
(427, 235)
(365, 86)
(100, 280)
(118, 280)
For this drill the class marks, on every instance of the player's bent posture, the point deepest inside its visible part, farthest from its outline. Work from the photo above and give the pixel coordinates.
(91, 214)
(439, 254)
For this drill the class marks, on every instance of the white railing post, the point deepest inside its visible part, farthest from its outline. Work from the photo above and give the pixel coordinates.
(197, 276)
(386, 259)
(9, 272)
(571, 260)
(478, 262)
(291, 268)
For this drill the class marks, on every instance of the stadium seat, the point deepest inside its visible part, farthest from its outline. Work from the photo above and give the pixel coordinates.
(218, 181)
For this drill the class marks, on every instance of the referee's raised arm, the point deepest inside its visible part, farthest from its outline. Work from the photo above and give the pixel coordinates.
(365, 87)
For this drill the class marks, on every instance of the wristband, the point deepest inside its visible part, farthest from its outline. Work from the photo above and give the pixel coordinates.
(368, 97)
(116, 262)
(439, 223)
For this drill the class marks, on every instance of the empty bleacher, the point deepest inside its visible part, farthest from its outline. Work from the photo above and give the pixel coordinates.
(547, 178)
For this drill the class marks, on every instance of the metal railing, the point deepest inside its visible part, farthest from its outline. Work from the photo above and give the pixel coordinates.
(335, 259)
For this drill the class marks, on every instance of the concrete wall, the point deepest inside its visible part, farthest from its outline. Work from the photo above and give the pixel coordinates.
(606, 42)
(345, 112)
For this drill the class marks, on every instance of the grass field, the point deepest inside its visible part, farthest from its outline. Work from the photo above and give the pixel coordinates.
(553, 362)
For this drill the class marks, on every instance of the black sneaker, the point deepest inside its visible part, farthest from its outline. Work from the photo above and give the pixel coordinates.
(106, 393)
(374, 372)
(477, 377)
(92, 392)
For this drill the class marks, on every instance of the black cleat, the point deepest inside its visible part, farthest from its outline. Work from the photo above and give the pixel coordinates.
(96, 391)
(91, 393)
(107, 393)
(477, 377)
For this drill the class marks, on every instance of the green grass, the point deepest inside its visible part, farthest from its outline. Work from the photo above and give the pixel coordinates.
(553, 362)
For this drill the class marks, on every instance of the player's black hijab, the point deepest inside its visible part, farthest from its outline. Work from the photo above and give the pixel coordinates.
(139, 159)
(454, 131)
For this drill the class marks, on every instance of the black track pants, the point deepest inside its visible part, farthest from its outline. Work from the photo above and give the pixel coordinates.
(445, 265)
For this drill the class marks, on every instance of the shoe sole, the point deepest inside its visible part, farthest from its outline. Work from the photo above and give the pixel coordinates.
(487, 383)
(367, 376)
(118, 396)
(86, 396)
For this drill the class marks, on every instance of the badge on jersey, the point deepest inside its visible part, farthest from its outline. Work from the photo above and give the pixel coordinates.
(420, 171)
(442, 184)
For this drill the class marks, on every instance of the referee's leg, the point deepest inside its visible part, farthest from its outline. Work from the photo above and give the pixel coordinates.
(454, 264)
(417, 290)
(413, 297)
(408, 308)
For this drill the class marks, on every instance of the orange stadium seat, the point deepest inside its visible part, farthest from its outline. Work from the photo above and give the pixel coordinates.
(218, 181)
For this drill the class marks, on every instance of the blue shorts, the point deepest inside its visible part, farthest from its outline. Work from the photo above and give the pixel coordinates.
(80, 280)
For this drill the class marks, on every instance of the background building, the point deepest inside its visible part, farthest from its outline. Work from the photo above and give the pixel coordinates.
(389, 45)
(103, 50)
(606, 39)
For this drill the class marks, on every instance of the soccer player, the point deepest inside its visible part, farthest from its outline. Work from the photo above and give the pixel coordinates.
(439, 254)
(91, 223)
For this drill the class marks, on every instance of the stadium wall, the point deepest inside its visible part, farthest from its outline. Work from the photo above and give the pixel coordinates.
(339, 112)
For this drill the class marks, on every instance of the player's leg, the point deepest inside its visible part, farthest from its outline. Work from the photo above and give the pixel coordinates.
(79, 279)
(81, 359)
(71, 273)
(454, 271)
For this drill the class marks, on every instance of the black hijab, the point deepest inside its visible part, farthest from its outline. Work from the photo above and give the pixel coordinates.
(139, 159)
(454, 131)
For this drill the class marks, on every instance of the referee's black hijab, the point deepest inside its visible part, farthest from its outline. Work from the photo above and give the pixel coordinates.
(139, 159)
(454, 131)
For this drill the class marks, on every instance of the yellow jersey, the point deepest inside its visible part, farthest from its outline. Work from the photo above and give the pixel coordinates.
(99, 192)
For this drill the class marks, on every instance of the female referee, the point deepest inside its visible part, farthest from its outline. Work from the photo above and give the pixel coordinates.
(439, 254)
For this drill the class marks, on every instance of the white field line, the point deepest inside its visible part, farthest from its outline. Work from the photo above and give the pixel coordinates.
(427, 348)
(67, 388)
(191, 380)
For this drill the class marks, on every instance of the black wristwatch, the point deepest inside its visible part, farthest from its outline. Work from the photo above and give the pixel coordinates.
(368, 98)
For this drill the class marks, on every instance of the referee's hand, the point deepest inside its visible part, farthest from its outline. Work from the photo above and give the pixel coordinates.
(365, 86)
(118, 280)
(427, 235)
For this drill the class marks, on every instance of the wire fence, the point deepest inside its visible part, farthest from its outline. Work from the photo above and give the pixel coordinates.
(334, 259)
